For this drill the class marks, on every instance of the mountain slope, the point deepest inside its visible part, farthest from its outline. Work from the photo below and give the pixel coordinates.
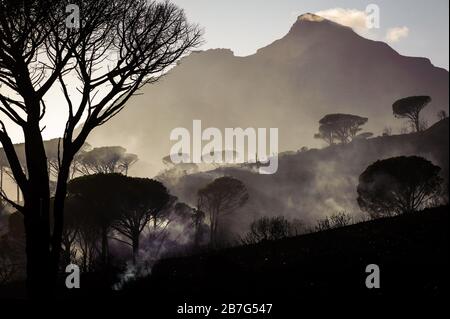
(319, 67)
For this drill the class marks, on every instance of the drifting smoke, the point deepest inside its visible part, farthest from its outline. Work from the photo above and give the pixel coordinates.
(310, 185)
(175, 235)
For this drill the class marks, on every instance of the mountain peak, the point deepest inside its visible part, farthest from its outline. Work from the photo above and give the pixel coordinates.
(314, 19)
(309, 23)
(311, 17)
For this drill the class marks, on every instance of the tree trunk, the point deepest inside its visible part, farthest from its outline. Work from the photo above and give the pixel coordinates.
(36, 198)
(67, 251)
(197, 235)
(38, 256)
(211, 233)
(213, 229)
(135, 247)
(85, 252)
(39, 277)
(104, 246)
(58, 211)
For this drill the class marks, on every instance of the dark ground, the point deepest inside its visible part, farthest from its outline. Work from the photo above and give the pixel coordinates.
(412, 252)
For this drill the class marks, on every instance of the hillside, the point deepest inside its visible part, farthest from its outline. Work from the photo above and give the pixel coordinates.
(412, 252)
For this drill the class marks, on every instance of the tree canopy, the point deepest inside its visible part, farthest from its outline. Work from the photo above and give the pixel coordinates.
(107, 159)
(410, 108)
(125, 204)
(221, 197)
(142, 199)
(340, 127)
(398, 185)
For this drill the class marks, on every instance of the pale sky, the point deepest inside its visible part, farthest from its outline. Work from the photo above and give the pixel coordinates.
(413, 28)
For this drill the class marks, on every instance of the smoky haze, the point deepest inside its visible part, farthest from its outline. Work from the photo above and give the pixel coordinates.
(312, 184)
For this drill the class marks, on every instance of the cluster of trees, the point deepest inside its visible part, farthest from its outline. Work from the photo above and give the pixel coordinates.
(336, 220)
(107, 159)
(102, 204)
(389, 187)
(103, 207)
(343, 128)
(279, 227)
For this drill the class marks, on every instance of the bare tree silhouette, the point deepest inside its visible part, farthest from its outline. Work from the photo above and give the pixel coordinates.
(271, 228)
(119, 47)
(336, 220)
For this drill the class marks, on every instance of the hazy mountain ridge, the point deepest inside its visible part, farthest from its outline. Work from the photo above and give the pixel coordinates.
(317, 68)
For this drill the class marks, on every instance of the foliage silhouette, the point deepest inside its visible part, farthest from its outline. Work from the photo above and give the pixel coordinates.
(398, 185)
(271, 228)
(340, 127)
(99, 197)
(221, 197)
(336, 220)
(101, 203)
(410, 108)
(107, 159)
(141, 200)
